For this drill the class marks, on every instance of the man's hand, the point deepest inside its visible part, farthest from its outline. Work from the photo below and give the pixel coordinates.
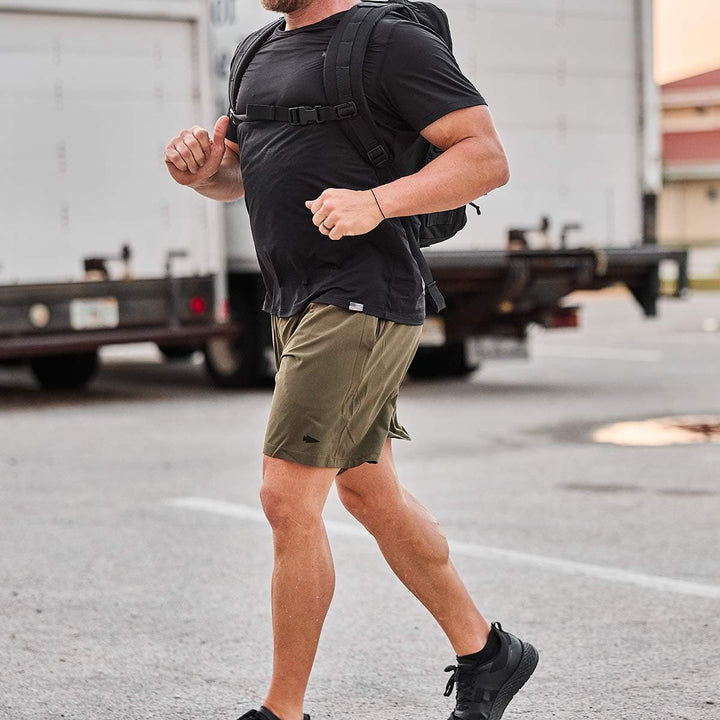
(192, 157)
(345, 212)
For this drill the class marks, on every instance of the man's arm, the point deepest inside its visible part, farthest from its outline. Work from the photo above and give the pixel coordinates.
(211, 167)
(473, 163)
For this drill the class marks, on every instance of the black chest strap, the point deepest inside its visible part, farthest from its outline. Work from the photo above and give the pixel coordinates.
(301, 115)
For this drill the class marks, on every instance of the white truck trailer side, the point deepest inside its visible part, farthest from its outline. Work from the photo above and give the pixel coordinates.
(98, 245)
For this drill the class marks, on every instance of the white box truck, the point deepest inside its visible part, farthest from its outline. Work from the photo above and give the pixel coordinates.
(102, 86)
(96, 246)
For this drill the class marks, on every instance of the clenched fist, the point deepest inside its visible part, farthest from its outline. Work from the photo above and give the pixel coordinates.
(193, 156)
(338, 212)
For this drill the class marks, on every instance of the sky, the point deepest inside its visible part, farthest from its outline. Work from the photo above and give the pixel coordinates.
(687, 38)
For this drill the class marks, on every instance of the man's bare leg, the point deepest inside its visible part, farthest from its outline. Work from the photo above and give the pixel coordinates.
(415, 548)
(303, 581)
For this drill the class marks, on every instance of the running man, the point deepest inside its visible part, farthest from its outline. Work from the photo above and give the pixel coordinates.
(347, 305)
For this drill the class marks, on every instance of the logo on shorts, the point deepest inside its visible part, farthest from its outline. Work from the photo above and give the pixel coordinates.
(309, 439)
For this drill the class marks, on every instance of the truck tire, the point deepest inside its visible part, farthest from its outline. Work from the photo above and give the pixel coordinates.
(65, 372)
(444, 361)
(240, 362)
(176, 353)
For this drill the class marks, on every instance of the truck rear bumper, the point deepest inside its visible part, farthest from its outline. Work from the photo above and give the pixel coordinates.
(62, 318)
(491, 292)
(583, 268)
(26, 347)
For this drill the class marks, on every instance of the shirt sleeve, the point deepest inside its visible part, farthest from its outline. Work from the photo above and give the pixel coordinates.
(420, 79)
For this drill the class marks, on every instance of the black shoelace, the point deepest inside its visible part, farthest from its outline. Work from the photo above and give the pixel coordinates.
(464, 689)
(455, 670)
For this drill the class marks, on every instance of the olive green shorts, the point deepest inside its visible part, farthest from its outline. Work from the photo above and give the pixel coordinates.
(339, 373)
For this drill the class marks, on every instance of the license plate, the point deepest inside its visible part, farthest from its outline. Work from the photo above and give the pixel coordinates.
(488, 347)
(94, 314)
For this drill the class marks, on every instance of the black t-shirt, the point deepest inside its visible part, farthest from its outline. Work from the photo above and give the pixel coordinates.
(411, 80)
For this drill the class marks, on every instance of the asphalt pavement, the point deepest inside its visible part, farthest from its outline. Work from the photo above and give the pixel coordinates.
(135, 562)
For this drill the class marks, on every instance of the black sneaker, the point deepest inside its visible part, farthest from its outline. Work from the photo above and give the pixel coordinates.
(484, 691)
(264, 714)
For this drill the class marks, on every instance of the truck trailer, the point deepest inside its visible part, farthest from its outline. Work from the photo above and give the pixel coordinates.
(111, 251)
(96, 246)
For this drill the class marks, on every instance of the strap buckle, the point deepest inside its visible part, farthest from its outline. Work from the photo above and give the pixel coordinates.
(305, 115)
(236, 119)
(346, 110)
(378, 156)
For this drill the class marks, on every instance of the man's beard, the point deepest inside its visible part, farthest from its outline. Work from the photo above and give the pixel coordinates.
(285, 6)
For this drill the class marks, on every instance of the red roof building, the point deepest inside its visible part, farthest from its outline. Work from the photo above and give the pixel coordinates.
(691, 127)
(689, 208)
(704, 81)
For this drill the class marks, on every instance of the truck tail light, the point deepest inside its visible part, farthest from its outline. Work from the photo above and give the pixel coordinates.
(567, 317)
(198, 305)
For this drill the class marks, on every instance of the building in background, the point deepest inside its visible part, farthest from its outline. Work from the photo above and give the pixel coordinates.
(689, 210)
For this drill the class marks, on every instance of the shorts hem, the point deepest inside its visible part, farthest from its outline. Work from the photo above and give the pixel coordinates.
(397, 436)
(319, 461)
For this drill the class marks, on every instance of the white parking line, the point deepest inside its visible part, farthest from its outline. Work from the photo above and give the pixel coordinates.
(485, 552)
(597, 353)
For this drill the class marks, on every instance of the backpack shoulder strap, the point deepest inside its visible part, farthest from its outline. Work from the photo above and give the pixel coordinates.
(244, 53)
(343, 78)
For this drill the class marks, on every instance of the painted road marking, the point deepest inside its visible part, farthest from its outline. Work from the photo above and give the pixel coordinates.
(484, 552)
(597, 353)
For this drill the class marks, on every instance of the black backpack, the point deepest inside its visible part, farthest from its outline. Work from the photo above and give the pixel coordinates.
(343, 79)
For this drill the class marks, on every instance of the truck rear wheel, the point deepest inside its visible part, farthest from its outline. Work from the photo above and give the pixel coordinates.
(65, 372)
(443, 361)
(240, 362)
(177, 353)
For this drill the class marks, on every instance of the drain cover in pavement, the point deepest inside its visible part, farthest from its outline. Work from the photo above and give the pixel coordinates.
(662, 431)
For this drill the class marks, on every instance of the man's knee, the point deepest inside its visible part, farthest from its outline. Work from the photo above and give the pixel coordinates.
(276, 505)
(292, 494)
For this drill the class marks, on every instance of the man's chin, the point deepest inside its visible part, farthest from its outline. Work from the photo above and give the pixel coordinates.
(285, 6)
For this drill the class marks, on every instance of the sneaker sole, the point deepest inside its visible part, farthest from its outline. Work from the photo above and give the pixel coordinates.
(526, 667)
